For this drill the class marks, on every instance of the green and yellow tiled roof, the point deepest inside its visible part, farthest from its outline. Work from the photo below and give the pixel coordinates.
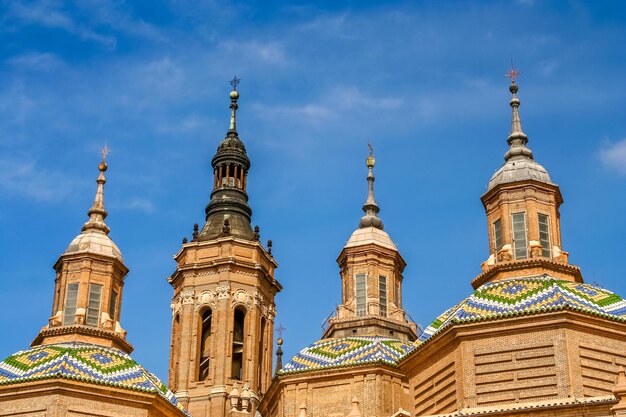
(537, 294)
(348, 351)
(84, 362)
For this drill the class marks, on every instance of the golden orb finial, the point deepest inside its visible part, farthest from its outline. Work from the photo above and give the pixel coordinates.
(104, 152)
(280, 341)
(370, 161)
(234, 94)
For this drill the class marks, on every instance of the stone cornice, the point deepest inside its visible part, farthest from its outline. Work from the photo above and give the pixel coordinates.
(83, 330)
(511, 186)
(519, 265)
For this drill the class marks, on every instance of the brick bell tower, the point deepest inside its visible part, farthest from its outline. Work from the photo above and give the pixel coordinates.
(371, 279)
(522, 205)
(88, 286)
(223, 305)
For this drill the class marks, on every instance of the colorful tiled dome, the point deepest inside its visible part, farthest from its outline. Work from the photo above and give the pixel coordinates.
(85, 362)
(527, 296)
(348, 351)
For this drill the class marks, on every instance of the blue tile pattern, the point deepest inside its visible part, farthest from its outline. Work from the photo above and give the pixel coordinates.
(530, 295)
(348, 351)
(86, 362)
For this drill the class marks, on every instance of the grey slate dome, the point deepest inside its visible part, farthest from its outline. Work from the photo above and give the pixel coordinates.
(519, 164)
(521, 169)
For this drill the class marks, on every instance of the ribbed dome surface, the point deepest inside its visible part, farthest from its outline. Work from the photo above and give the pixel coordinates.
(94, 242)
(519, 169)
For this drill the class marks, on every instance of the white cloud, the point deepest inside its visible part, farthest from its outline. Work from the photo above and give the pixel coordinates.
(613, 156)
(41, 61)
(265, 52)
(47, 14)
(25, 177)
(136, 204)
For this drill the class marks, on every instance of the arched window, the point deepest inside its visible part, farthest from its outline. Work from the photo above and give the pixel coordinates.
(260, 378)
(175, 349)
(205, 346)
(238, 338)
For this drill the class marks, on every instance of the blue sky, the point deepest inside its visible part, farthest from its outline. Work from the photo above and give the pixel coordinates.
(423, 80)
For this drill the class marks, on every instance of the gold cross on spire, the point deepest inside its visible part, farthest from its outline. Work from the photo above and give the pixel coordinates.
(512, 74)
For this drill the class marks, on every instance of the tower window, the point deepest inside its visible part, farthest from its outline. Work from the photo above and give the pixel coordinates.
(497, 232)
(112, 304)
(205, 346)
(261, 354)
(70, 303)
(544, 236)
(93, 304)
(238, 337)
(382, 295)
(519, 236)
(360, 289)
(397, 295)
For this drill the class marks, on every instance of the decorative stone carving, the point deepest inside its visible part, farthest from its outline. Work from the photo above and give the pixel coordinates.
(57, 319)
(271, 313)
(79, 316)
(258, 297)
(505, 254)
(187, 297)
(242, 297)
(535, 249)
(119, 330)
(105, 321)
(206, 297)
(223, 292)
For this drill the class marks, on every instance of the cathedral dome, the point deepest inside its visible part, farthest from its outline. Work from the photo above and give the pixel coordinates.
(530, 295)
(231, 143)
(371, 234)
(83, 362)
(520, 169)
(348, 351)
(94, 242)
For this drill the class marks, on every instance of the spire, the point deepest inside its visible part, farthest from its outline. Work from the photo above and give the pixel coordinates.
(228, 211)
(517, 139)
(234, 95)
(370, 207)
(97, 213)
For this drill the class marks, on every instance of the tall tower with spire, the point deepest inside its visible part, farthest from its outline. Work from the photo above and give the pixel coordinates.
(522, 204)
(88, 286)
(371, 276)
(223, 305)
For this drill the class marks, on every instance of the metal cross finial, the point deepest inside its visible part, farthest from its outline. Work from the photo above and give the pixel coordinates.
(280, 329)
(370, 146)
(512, 74)
(104, 152)
(234, 82)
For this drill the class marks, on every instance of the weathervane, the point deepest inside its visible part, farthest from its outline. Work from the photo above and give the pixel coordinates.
(104, 152)
(512, 74)
(234, 82)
